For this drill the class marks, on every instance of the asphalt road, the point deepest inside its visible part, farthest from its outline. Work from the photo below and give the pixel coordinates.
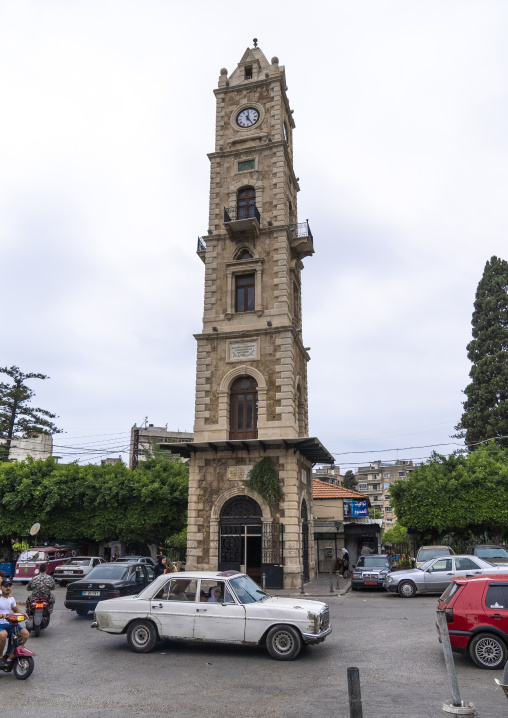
(81, 672)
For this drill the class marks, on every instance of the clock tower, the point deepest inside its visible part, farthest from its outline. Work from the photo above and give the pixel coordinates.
(251, 375)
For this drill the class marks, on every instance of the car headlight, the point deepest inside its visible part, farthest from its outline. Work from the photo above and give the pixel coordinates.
(357, 575)
(388, 579)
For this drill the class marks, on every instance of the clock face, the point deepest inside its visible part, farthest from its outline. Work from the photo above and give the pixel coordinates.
(247, 117)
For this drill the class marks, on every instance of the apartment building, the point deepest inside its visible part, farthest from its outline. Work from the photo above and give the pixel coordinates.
(375, 480)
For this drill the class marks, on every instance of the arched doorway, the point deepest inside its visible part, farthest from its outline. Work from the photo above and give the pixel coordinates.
(246, 203)
(240, 545)
(305, 540)
(243, 409)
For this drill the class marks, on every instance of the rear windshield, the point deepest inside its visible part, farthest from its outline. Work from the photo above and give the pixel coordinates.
(77, 562)
(450, 592)
(373, 561)
(425, 553)
(490, 553)
(109, 572)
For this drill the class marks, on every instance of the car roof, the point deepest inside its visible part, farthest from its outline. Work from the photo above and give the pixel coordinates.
(74, 558)
(434, 547)
(212, 575)
(373, 555)
(500, 577)
(486, 545)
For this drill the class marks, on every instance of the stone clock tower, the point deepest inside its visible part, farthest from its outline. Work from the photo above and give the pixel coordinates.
(251, 378)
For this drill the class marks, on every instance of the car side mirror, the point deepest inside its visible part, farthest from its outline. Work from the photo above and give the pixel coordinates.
(428, 570)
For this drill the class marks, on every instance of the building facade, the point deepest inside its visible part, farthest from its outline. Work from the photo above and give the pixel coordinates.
(375, 481)
(38, 446)
(251, 374)
(145, 438)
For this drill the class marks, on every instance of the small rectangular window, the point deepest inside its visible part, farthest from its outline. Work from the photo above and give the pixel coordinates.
(244, 292)
(402, 473)
(246, 165)
(248, 72)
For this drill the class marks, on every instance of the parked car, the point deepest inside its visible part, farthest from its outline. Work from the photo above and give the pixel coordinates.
(425, 553)
(226, 607)
(490, 552)
(370, 571)
(109, 580)
(28, 563)
(76, 568)
(476, 612)
(435, 575)
(140, 559)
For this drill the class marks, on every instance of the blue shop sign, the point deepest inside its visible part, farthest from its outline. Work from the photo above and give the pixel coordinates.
(355, 508)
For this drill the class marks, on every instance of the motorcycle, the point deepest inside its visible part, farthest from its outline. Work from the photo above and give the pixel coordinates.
(38, 611)
(22, 661)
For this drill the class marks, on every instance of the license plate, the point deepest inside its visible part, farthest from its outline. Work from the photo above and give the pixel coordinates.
(90, 593)
(370, 583)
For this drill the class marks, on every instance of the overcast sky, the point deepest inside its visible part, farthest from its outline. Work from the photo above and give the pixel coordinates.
(401, 149)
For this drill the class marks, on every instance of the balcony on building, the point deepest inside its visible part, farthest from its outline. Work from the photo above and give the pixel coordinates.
(201, 250)
(301, 239)
(241, 220)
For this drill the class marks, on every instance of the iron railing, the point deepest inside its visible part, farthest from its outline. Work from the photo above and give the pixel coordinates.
(302, 229)
(201, 244)
(231, 214)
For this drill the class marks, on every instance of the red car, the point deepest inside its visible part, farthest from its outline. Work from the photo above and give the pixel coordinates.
(476, 610)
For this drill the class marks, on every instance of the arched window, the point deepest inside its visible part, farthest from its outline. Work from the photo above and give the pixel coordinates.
(243, 412)
(246, 203)
(244, 254)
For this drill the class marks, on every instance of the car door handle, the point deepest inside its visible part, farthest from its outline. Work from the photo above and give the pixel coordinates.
(200, 609)
(496, 615)
(159, 606)
(449, 574)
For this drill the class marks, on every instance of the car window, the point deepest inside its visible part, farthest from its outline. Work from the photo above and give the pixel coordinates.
(96, 561)
(246, 590)
(109, 572)
(182, 589)
(450, 592)
(444, 564)
(150, 573)
(497, 597)
(212, 589)
(373, 562)
(491, 553)
(466, 564)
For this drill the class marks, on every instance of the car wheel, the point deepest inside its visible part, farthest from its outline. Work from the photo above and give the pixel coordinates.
(488, 651)
(407, 589)
(61, 583)
(81, 612)
(284, 643)
(141, 636)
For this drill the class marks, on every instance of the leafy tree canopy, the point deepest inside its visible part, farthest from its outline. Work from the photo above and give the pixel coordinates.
(397, 534)
(96, 503)
(17, 418)
(350, 481)
(486, 407)
(462, 493)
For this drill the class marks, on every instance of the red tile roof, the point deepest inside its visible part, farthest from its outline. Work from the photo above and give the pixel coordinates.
(323, 490)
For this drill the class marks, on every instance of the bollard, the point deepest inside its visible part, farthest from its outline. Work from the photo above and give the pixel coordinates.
(302, 579)
(338, 584)
(455, 706)
(331, 582)
(263, 581)
(355, 695)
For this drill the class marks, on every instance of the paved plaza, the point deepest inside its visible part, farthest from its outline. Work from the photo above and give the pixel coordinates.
(84, 673)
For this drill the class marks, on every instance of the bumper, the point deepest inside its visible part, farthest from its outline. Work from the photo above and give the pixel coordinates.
(366, 583)
(82, 605)
(311, 638)
(392, 587)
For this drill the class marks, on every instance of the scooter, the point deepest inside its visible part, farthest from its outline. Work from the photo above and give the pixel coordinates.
(22, 660)
(38, 610)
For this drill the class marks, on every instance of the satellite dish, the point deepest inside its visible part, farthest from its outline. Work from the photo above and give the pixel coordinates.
(35, 529)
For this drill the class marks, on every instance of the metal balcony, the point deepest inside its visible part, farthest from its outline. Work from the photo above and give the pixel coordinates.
(241, 220)
(301, 239)
(201, 249)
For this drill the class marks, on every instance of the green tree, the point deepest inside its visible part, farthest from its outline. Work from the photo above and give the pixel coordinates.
(462, 493)
(397, 535)
(375, 513)
(17, 418)
(485, 413)
(350, 481)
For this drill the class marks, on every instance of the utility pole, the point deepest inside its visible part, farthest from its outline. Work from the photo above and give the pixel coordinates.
(135, 448)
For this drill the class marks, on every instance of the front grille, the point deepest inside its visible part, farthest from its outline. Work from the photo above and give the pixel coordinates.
(370, 576)
(325, 619)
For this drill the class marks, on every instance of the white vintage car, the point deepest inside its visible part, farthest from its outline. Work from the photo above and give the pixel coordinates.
(222, 606)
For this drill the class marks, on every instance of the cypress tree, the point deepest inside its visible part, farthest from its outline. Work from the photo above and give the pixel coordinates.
(486, 407)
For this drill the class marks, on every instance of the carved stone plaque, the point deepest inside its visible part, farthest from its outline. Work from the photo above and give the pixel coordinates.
(239, 473)
(238, 351)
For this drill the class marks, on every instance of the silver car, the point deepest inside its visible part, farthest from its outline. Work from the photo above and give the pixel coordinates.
(435, 575)
(76, 568)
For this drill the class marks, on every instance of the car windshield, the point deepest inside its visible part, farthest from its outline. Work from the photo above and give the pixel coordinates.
(109, 572)
(425, 553)
(373, 561)
(426, 565)
(77, 562)
(246, 590)
(497, 552)
(32, 556)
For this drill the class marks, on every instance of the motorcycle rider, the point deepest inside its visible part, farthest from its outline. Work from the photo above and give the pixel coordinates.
(42, 585)
(8, 605)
